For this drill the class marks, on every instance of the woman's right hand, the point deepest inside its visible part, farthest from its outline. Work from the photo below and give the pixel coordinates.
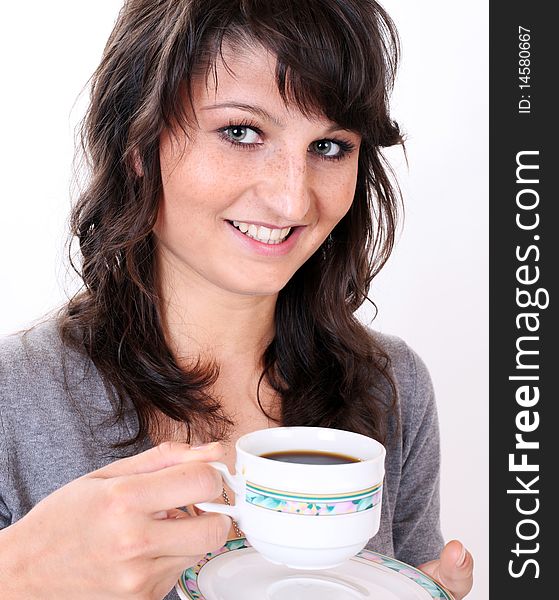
(112, 534)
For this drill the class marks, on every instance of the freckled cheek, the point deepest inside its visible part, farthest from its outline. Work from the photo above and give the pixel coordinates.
(337, 200)
(197, 193)
(218, 179)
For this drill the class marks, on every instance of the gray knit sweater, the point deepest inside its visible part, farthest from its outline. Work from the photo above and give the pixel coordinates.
(54, 411)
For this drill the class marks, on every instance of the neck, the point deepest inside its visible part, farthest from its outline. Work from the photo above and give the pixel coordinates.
(203, 321)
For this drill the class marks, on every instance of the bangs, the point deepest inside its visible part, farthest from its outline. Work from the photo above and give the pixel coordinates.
(334, 58)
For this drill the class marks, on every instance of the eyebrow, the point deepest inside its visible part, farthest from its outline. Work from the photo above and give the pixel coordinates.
(262, 113)
(255, 110)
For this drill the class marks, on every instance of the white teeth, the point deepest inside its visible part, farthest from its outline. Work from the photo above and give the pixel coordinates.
(253, 231)
(263, 234)
(275, 235)
(242, 226)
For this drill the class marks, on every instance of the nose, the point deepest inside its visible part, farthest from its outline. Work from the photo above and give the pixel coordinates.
(289, 188)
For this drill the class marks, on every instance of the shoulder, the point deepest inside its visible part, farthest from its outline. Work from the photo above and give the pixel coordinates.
(50, 391)
(39, 345)
(403, 358)
(37, 352)
(27, 354)
(36, 363)
(57, 421)
(415, 394)
(408, 368)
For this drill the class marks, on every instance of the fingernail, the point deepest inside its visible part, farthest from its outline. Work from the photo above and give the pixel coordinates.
(462, 558)
(203, 446)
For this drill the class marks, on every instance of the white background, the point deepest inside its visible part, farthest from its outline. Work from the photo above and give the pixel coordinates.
(433, 291)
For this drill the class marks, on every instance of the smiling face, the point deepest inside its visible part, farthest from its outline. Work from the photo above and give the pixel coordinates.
(256, 187)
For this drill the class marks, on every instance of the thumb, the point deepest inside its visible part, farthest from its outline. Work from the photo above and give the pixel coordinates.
(456, 569)
(159, 457)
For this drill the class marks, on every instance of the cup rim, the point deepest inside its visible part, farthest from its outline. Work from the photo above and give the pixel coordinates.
(380, 450)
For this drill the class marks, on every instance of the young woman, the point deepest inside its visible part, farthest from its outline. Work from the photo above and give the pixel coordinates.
(237, 210)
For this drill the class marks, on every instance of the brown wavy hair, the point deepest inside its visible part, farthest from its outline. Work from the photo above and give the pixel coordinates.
(334, 57)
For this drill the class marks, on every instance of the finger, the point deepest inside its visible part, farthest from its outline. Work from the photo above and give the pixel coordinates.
(166, 489)
(193, 536)
(166, 572)
(431, 568)
(159, 457)
(175, 565)
(456, 569)
(175, 513)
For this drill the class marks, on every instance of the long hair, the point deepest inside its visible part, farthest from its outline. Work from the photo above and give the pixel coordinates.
(334, 57)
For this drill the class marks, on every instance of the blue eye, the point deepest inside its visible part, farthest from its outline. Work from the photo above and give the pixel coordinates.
(241, 134)
(327, 148)
(332, 149)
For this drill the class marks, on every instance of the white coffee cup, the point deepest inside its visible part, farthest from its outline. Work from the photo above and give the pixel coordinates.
(305, 516)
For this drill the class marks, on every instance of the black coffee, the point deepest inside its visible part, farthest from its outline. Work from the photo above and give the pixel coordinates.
(310, 457)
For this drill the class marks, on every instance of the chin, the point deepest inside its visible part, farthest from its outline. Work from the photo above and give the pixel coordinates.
(253, 280)
(255, 288)
(261, 291)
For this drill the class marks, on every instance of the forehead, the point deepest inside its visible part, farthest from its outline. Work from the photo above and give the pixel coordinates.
(244, 75)
(240, 71)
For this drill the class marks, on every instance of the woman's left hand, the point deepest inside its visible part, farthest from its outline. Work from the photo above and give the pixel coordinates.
(454, 569)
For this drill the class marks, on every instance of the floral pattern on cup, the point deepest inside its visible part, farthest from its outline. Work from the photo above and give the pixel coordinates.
(188, 589)
(301, 504)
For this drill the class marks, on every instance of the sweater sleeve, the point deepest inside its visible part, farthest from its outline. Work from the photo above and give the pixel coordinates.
(416, 523)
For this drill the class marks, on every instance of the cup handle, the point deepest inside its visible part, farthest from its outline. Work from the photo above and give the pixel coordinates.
(235, 482)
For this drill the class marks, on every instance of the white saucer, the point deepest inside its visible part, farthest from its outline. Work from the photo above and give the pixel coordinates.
(238, 572)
